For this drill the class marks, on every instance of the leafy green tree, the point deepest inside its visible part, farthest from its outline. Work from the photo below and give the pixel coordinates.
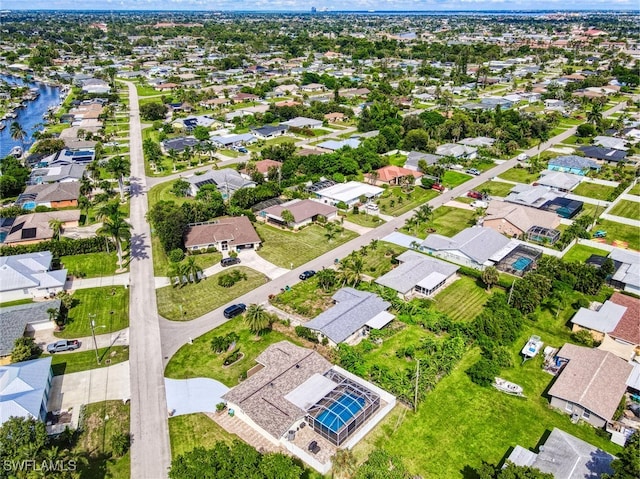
(169, 223)
(191, 268)
(120, 443)
(257, 318)
(326, 279)
(382, 465)
(153, 111)
(24, 349)
(201, 133)
(22, 439)
(13, 178)
(483, 372)
(627, 465)
(288, 217)
(56, 227)
(279, 466)
(511, 471)
(180, 188)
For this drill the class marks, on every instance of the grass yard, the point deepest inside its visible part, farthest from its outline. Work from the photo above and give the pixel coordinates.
(495, 188)
(197, 360)
(17, 302)
(627, 209)
(99, 423)
(620, 232)
(145, 90)
(364, 219)
(594, 190)
(446, 220)
(162, 192)
(397, 159)
(308, 243)
(463, 299)
(451, 178)
(519, 175)
(67, 363)
(183, 303)
(110, 305)
(635, 190)
(189, 431)
(229, 153)
(580, 253)
(161, 263)
(394, 202)
(90, 265)
(305, 299)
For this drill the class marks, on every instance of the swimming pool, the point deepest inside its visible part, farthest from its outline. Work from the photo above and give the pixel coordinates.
(521, 263)
(340, 412)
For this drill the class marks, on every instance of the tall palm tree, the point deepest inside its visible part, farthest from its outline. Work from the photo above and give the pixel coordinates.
(191, 268)
(109, 209)
(257, 318)
(120, 167)
(18, 133)
(56, 227)
(116, 228)
(594, 115)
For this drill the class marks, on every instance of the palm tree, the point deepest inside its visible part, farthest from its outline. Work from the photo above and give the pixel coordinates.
(344, 464)
(594, 115)
(490, 276)
(17, 132)
(120, 167)
(109, 209)
(257, 318)
(330, 232)
(56, 227)
(191, 268)
(350, 269)
(116, 228)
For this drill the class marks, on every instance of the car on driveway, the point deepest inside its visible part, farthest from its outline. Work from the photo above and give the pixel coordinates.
(234, 310)
(63, 345)
(307, 274)
(473, 171)
(230, 261)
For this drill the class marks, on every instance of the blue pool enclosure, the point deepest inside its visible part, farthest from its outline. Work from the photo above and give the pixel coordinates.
(519, 260)
(339, 414)
(522, 263)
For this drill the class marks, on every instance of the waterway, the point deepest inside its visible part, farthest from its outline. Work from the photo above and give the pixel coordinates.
(31, 116)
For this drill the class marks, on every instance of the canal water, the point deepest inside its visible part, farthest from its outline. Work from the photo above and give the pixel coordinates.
(31, 116)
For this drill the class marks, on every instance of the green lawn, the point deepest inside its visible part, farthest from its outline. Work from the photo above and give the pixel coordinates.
(163, 192)
(620, 232)
(196, 299)
(189, 431)
(519, 175)
(594, 190)
(364, 219)
(17, 302)
(147, 91)
(451, 179)
(161, 263)
(110, 305)
(394, 202)
(635, 190)
(229, 153)
(100, 422)
(304, 299)
(446, 220)
(580, 253)
(198, 361)
(68, 363)
(496, 188)
(308, 243)
(463, 299)
(90, 265)
(627, 209)
(397, 160)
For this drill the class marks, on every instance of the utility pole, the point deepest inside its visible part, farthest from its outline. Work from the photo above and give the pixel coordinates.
(511, 292)
(93, 333)
(415, 397)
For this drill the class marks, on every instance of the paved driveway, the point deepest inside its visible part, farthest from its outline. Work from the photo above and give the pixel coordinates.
(186, 396)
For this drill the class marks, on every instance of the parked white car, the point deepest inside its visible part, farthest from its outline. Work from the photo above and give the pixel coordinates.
(480, 204)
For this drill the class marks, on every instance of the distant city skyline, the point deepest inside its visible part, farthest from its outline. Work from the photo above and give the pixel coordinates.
(329, 5)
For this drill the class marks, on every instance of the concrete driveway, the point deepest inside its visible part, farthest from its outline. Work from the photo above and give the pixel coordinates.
(186, 396)
(43, 337)
(71, 391)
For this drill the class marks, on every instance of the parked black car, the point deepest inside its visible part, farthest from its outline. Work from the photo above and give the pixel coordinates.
(234, 310)
(307, 274)
(229, 261)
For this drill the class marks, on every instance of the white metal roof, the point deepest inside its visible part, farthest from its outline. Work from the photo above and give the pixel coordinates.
(311, 391)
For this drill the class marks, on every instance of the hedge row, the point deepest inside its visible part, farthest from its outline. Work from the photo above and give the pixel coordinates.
(63, 247)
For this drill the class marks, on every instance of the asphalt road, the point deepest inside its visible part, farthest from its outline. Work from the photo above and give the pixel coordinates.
(150, 448)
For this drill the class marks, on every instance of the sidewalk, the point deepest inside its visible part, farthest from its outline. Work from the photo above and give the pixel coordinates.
(116, 280)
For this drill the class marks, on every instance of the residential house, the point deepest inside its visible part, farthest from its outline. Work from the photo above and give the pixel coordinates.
(24, 389)
(611, 142)
(52, 195)
(269, 131)
(349, 193)
(178, 144)
(312, 88)
(16, 320)
(478, 142)
(335, 145)
(554, 105)
(302, 122)
(226, 180)
(229, 141)
(476, 247)
(263, 167)
(28, 276)
(215, 102)
(95, 86)
(564, 457)
(393, 175)
(590, 384)
(610, 155)
(457, 151)
(415, 157)
(35, 227)
(82, 156)
(533, 196)
(166, 86)
(515, 220)
(418, 274)
(287, 89)
(352, 316)
(304, 212)
(245, 97)
(558, 181)
(572, 164)
(335, 117)
(59, 172)
(292, 397)
(191, 122)
(224, 234)
(627, 274)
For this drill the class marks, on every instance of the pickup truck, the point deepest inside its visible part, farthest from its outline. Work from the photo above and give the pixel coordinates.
(63, 345)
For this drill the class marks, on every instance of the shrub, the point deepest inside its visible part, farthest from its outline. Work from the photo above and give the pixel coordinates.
(220, 406)
(176, 255)
(226, 281)
(220, 344)
(583, 337)
(232, 358)
(483, 372)
(120, 443)
(307, 334)
(63, 247)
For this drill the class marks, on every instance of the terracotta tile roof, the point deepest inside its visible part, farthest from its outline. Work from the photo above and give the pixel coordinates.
(236, 230)
(263, 166)
(391, 172)
(594, 379)
(35, 226)
(628, 328)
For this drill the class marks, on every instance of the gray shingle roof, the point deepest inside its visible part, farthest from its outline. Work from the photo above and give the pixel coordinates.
(477, 243)
(30, 270)
(414, 268)
(224, 179)
(573, 161)
(353, 309)
(14, 320)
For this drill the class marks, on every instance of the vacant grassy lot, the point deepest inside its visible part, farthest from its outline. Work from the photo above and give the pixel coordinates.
(110, 305)
(594, 190)
(364, 219)
(519, 175)
(308, 243)
(306, 299)
(101, 421)
(627, 209)
(197, 360)
(90, 265)
(189, 431)
(495, 188)
(463, 299)
(68, 363)
(451, 179)
(163, 192)
(183, 303)
(394, 202)
(580, 253)
(620, 232)
(635, 190)
(446, 220)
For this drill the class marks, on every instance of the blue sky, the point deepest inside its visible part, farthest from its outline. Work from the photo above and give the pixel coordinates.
(305, 5)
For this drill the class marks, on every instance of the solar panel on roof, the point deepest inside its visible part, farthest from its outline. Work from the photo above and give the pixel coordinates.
(16, 228)
(28, 233)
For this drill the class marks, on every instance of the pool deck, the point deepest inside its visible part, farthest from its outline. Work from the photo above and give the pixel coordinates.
(306, 435)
